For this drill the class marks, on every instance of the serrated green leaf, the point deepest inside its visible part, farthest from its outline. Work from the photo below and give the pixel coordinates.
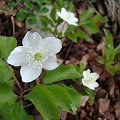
(75, 97)
(62, 97)
(5, 111)
(18, 113)
(6, 93)
(60, 73)
(5, 73)
(44, 102)
(7, 44)
(21, 15)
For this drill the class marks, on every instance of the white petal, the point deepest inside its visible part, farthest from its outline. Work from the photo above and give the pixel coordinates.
(53, 44)
(86, 73)
(63, 14)
(93, 85)
(50, 63)
(18, 56)
(95, 76)
(29, 73)
(32, 39)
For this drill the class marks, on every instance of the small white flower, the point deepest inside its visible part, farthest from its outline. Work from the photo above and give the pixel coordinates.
(35, 54)
(89, 79)
(69, 17)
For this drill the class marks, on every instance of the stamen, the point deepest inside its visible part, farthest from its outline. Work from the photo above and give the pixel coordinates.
(36, 57)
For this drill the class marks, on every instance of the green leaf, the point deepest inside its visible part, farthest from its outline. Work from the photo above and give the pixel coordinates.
(91, 95)
(109, 53)
(111, 69)
(5, 73)
(97, 18)
(117, 49)
(53, 12)
(32, 20)
(42, 10)
(72, 37)
(6, 93)
(21, 15)
(81, 68)
(75, 97)
(7, 44)
(28, 3)
(92, 27)
(108, 38)
(85, 15)
(61, 96)
(60, 73)
(82, 34)
(101, 60)
(44, 102)
(70, 29)
(46, 19)
(5, 111)
(18, 113)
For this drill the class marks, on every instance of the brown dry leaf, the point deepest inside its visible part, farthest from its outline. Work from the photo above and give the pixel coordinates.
(103, 105)
(84, 100)
(63, 114)
(100, 47)
(85, 59)
(73, 61)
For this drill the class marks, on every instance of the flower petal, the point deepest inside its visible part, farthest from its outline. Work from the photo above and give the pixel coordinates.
(53, 44)
(86, 73)
(63, 14)
(95, 76)
(93, 85)
(32, 39)
(50, 63)
(18, 56)
(29, 73)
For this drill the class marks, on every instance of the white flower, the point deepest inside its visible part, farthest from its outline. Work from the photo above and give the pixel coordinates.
(89, 79)
(35, 54)
(69, 17)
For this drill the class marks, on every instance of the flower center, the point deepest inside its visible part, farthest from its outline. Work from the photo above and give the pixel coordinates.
(90, 79)
(37, 56)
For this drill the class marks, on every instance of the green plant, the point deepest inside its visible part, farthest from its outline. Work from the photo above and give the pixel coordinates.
(110, 53)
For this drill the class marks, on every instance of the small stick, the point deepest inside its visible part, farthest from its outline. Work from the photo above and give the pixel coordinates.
(13, 25)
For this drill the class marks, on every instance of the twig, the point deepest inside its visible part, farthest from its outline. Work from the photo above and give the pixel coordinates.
(13, 25)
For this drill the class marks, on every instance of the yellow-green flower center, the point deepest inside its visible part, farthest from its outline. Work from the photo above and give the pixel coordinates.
(90, 79)
(37, 56)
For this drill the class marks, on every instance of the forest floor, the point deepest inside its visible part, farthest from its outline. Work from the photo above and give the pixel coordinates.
(107, 95)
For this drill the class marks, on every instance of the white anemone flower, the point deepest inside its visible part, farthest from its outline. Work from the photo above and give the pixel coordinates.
(69, 17)
(35, 54)
(89, 79)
